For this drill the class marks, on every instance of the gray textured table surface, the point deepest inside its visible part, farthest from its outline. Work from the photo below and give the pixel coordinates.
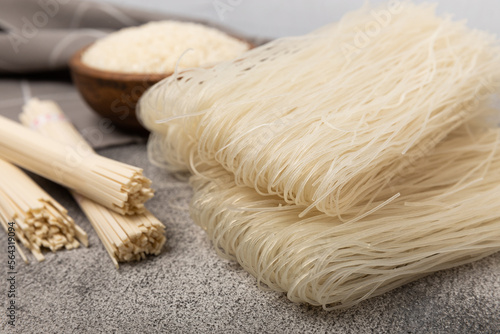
(188, 289)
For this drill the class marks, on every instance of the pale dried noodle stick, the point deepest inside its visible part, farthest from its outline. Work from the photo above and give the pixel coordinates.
(113, 184)
(319, 120)
(126, 238)
(40, 221)
(447, 215)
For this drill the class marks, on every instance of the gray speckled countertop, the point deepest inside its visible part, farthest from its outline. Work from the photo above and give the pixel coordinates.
(188, 289)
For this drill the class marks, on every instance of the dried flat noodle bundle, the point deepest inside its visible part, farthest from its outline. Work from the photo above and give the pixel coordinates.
(40, 221)
(126, 238)
(447, 215)
(320, 120)
(113, 184)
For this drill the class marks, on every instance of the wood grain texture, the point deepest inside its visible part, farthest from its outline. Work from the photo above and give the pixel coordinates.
(112, 95)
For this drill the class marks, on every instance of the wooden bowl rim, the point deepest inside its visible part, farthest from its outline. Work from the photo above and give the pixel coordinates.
(78, 66)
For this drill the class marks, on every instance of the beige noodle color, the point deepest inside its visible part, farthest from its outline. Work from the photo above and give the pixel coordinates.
(335, 170)
(447, 215)
(113, 184)
(40, 221)
(301, 119)
(126, 238)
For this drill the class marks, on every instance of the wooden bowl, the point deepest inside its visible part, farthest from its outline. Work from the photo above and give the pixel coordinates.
(112, 95)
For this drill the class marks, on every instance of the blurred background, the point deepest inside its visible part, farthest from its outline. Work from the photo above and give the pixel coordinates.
(189, 288)
(38, 37)
(277, 18)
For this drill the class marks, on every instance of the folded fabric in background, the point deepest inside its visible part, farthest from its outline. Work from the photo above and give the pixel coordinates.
(38, 37)
(41, 35)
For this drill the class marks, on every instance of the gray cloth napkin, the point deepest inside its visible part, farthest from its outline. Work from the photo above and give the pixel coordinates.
(37, 39)
(39, 36)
